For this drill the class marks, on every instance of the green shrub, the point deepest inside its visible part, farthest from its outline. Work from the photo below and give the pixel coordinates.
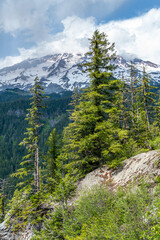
(102, 214)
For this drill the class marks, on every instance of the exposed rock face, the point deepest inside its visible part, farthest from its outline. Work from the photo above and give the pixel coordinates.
(145, 165)
(6, 234)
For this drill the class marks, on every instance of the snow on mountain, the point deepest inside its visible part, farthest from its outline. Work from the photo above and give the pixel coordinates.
(123, 66)
(61, 72)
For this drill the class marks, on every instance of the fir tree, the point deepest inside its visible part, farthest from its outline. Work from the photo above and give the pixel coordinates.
(27, 201)
(60, 180)
(134, 101)
(2, 198)
(94, 135)
(148, 96)
(54, 145)
(157, 112)
(30, 162)
(124, 103)
(60, 187)
(142, 100)
(145, 101)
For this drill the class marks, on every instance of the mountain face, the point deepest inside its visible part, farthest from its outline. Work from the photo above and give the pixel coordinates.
(61, 72)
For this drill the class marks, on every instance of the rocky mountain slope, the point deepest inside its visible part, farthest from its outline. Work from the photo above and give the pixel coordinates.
(61, 72)
(144, 165)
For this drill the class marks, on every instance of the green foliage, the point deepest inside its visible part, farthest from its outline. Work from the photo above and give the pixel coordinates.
(60, 185)
(101, 214)
(155, 143)
(54, 145)
(152, 216)
(26, 203)
(60, 181)
(94, 135)
(13, 126)
(157, 179)
(2, 207)
(53, 226)
(142, 116)
(30, 163)
(25, 208)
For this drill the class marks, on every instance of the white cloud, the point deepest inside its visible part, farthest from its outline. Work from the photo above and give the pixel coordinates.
(9, 61)
(133, 37)
(138, 36)
(18, 15)
(40, 17)
(74, 39)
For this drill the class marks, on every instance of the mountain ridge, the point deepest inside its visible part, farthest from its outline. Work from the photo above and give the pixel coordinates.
(60, 72)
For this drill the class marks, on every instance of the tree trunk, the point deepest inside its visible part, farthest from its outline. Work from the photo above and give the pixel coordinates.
(36, 171)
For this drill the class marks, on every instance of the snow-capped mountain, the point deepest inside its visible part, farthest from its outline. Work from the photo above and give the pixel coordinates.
(61, 72)
(123, 66)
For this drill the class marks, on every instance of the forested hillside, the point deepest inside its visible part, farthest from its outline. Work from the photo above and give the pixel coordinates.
(108, 122)
(13, 109)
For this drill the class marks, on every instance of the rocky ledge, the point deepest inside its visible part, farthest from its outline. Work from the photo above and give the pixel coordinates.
(144, 165)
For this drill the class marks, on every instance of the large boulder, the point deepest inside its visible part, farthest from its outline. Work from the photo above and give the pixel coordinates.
(145, 165)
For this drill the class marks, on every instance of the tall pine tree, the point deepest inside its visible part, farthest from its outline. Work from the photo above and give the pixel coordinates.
(54, 145)
(27, 201)
(30, 163)
(94, 135)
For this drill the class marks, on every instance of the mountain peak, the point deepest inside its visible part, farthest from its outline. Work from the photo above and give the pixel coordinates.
(60, 72)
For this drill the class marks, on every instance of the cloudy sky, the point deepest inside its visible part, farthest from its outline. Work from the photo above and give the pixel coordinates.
(36, 28)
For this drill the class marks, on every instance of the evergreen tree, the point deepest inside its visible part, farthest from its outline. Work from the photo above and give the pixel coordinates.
(54, 145)
(30, 162)
(148, 96)
(145, 102)
(157, 112)
(124, 103)
(75, 99)
(60, 187)
(94, 135)
(2, 198)
(60, 180)
(27, 201)
(134, 101)
(142, 98)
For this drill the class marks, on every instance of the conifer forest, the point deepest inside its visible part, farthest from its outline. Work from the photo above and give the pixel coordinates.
(48, 143)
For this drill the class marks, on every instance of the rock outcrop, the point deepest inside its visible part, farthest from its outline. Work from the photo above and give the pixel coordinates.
(144, 165)
(7, 234)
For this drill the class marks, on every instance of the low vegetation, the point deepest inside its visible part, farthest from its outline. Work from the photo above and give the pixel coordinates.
(102, 214)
